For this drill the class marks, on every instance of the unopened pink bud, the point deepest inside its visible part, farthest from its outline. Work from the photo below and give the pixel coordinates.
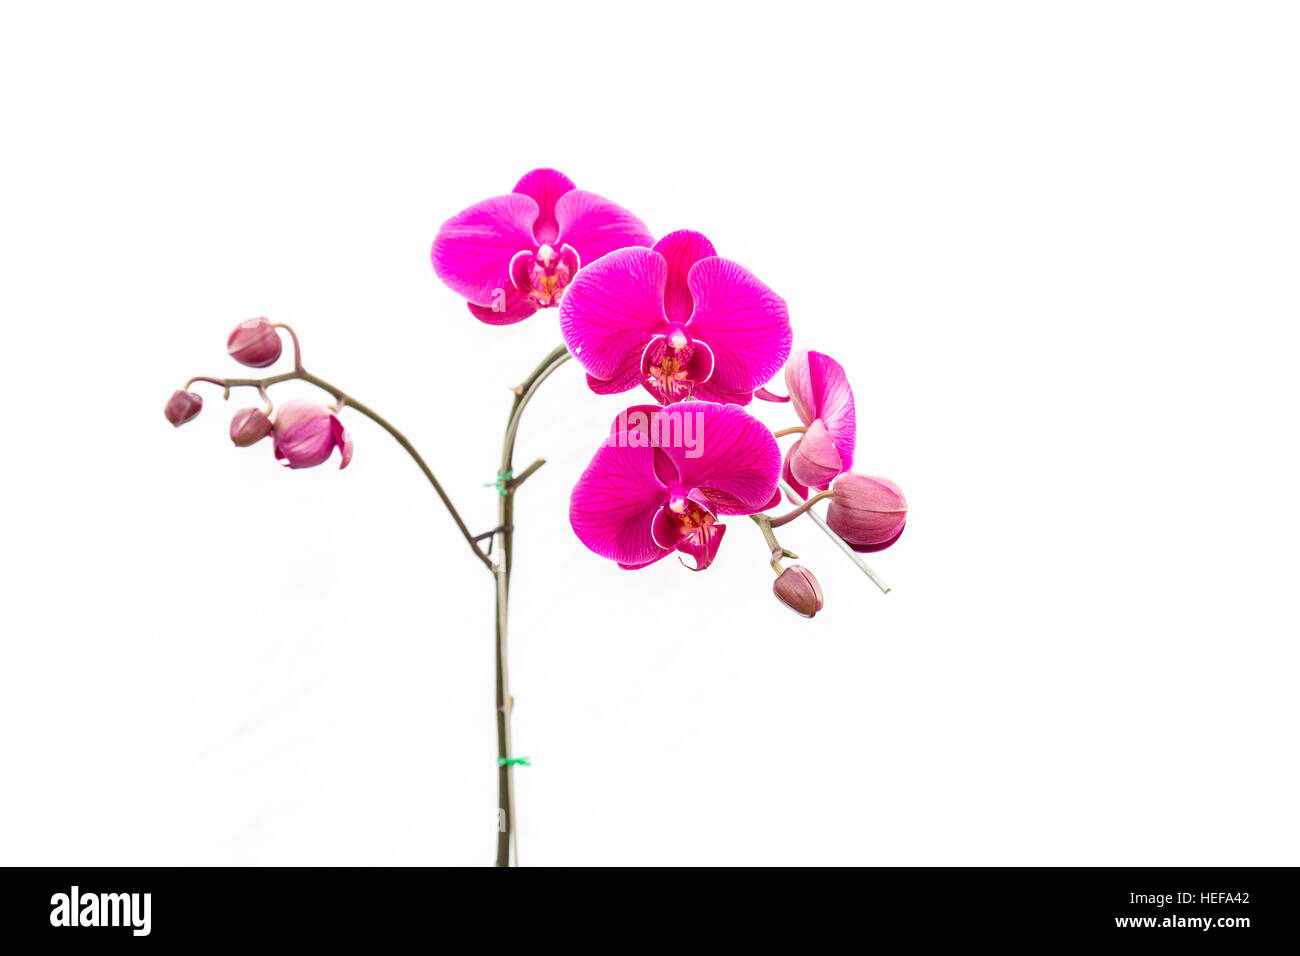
(307, 433)
(249, 426)
(183, 406)
(813, 459)
(798, 590)
(869, 513)
(254, 343)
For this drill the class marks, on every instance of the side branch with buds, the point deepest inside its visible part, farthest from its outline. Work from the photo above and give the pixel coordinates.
(304, 432)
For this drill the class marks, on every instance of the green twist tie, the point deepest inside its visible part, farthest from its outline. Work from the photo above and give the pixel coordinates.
(513, 761)
(503, 478)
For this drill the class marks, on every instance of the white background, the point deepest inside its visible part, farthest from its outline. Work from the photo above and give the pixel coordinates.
(1054, 245)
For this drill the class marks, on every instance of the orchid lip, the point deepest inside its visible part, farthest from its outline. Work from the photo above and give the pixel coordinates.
(545, 273)
(673, 364)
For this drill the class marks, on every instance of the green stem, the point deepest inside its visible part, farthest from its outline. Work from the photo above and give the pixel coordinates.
(507, 837)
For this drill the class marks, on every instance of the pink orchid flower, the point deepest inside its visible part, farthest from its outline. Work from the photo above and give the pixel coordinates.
(306, 433)
(678, 319)
(512, 255)
(823, 400)
(663, 477)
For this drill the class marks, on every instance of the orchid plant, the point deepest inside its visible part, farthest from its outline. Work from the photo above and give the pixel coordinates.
(701, 334)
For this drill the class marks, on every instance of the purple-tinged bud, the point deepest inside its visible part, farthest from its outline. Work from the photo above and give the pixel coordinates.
(306, 433)
(869, 513)
(254, 343)
(249, 426)
(798, 590)
(183, 406)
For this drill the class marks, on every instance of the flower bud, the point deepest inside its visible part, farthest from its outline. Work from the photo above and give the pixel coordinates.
(798, 590)
(868, 513)
(249, 426)
(814, 460)
(254, 343)
(307, 433)
(183, 406)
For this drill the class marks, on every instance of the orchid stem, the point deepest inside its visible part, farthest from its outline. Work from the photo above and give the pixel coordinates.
(297, 350)
(777, 551)
(791, 515)
(792, 430)
(514, 483)
(507, 837)
(300, 374)
(840, 542)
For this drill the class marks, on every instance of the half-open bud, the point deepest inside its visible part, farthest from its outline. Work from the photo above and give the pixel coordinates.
(254, 343)
(182, 406)
(798, 590)
(869, 513)
(813, 459)
(306, 433)
(249, 426)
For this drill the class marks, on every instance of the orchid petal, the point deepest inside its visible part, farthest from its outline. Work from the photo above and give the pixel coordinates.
(640, 419)
(710, 392)
(725, 453)
(343, 440)
(815, 461)
(819, 388)
(611, 309)
(702, 546)
(545, 186)
(879, 546)
(682, 249)
(745, 323)
(614, 503)
(629, 379)
(764, 395)
(515, 306)
(798, 382)
(664, 529)
(595, 227)
(634, 418)
(788, 476)
(644, 564)
(472, 251)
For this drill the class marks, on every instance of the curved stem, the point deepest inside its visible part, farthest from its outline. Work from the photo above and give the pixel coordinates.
(297, 349)
(301, 374)
(791, 515)
(792, 430)
(410, 450)
(507, 838)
